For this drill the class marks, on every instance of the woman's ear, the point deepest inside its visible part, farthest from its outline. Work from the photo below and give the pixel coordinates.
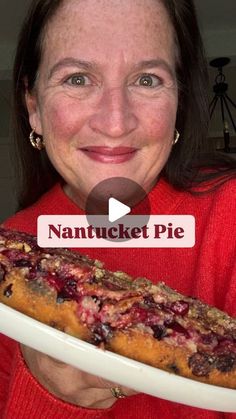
(32, 105)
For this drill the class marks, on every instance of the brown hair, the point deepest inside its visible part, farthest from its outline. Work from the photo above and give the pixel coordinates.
(35, 172)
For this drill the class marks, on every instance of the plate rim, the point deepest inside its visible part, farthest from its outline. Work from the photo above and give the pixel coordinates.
(74, 344)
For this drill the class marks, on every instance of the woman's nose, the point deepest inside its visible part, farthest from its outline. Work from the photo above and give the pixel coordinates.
(114, 116)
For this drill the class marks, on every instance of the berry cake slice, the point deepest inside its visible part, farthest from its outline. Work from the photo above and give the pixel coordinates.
(150, 323)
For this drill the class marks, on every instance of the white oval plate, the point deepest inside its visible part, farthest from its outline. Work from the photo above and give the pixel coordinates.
(117, 368)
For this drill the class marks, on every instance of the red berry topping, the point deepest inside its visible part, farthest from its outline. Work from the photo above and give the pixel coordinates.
(226, 362)
(101, 332)
(180, 307)
(139, 314)
(22, 263)
(55, 281)
(176, 327)
(225, 345)
(159, 331)
(14, 254)
(201, 364)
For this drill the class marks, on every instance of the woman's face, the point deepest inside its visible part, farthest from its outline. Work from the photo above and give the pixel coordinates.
(105, 99)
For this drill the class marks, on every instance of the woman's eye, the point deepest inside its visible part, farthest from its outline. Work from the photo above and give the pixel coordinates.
(78, 80)
(148, 80)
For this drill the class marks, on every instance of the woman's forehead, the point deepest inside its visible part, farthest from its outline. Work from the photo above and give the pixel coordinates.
(101, 26)
(143, 15)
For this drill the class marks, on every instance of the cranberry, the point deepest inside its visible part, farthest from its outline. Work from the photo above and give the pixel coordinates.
(101, 332)
(55, 281)
(225, 345)
(159, 331)
(14, 254)
(207, 342)
(201, 364)
(139, 314)
(180, 307)
(176, 327)
(22, 263)
(149, 301)
(226, 362)
(209, 339)
(68, 291)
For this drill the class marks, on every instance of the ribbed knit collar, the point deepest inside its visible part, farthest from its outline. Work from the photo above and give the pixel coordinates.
(163, 199)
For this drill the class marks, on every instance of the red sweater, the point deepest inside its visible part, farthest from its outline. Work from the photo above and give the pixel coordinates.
(207, 271)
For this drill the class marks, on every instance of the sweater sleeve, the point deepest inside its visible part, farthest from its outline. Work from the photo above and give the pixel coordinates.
(24, 397)
(7, 347)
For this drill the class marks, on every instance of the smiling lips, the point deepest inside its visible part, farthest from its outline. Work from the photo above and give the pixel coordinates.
(110, 155)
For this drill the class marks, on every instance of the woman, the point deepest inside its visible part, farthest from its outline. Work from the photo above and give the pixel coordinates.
(105, 89)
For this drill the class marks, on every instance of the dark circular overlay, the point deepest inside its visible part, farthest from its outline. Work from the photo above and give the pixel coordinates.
(128, 193)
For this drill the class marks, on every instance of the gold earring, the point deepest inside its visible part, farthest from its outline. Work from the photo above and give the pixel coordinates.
(177, 135)
(37, 142)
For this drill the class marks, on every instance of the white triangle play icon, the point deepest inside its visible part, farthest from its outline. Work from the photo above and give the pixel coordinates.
(117, 210)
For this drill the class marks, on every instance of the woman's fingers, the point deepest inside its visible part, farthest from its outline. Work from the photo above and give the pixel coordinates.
(71, 384)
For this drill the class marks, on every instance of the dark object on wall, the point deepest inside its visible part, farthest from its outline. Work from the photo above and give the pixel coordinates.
(220, 89)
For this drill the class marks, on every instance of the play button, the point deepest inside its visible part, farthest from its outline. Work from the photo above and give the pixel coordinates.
(110, 202)
(117, 210)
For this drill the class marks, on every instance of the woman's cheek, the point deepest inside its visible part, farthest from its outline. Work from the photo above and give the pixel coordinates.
(159, 128)
(160, 121)
(62, 121)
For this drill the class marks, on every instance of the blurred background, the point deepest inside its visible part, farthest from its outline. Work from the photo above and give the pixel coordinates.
(218, 25)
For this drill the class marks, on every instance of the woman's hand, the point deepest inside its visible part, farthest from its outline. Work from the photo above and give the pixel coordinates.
(69, 383)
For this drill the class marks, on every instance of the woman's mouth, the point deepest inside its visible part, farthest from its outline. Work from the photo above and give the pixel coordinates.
(113, 155)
